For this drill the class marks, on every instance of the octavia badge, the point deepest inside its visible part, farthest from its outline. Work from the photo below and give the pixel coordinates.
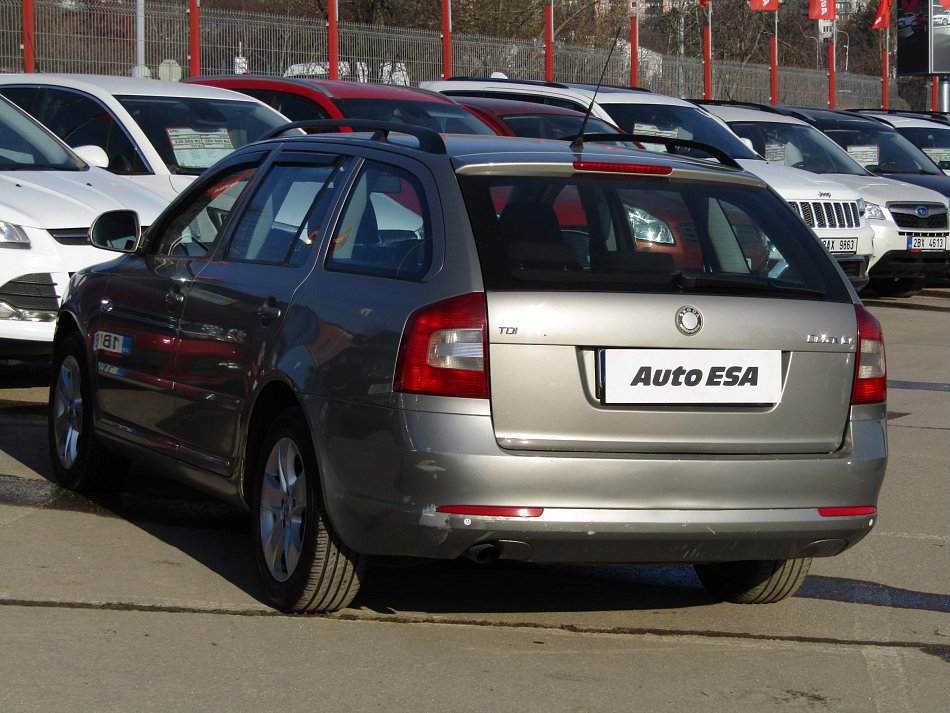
(689, 320)
(922, 211)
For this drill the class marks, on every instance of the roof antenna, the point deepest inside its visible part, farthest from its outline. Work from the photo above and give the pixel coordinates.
(578, 143)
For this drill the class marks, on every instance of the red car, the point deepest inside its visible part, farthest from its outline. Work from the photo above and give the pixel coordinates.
(299, 99)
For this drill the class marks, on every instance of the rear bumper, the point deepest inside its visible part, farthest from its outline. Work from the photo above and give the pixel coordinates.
(383, 488)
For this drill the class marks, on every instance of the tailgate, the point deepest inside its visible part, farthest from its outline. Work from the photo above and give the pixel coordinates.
(614, 373)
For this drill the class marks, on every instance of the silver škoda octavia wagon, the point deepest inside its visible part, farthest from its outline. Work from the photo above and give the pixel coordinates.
(431, 346)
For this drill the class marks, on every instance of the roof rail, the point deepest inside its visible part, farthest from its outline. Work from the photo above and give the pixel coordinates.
(736, 103)
(671, 145)
(938, 116)
(509, 80)
(429, 140)
(587, 85)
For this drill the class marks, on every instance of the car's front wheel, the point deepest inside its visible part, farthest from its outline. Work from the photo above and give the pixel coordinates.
(80, 461)
(303, 564)
(755, 581)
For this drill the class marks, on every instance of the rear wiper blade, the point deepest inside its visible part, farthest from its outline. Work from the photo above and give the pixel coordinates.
(687, 279)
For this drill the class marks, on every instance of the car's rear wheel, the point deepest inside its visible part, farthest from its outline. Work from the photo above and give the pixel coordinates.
(80, 461)
(897, 286)
(753, 582)
(303, 564)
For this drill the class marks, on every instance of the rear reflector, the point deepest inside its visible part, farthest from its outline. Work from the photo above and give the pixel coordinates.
(648, 169)
(443, 350)
(490, 511)
(847, 511)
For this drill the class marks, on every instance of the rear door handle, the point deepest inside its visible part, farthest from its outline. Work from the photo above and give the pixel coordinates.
(268, 312)
(174, 299)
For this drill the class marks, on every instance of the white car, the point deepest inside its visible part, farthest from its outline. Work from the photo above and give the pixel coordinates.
(930, 135)
(833, 211)
(156, 133)
(899, 213)
(49, 197)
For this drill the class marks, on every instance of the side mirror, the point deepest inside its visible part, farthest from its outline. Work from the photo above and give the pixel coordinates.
(748, 143)
(93, 155)
(117, 230)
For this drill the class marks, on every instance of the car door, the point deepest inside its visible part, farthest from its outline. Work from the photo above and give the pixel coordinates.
(136, 342)
(237, 303)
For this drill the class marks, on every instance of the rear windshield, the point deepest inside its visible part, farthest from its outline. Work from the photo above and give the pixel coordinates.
(602, 233)
(190, 133)
(445, 118)
(554, 126)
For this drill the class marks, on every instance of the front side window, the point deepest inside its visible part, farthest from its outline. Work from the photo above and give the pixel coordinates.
(24, 145)
(385, 228)
(276, 228)
(605, 233)
(80, 120)
(196, 225)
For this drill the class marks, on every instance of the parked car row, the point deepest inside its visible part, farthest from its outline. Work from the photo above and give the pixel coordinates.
(501, 320)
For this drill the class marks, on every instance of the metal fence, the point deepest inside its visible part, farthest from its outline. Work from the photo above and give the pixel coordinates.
(98, 36)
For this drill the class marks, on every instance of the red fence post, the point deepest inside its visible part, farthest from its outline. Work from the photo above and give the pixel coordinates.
(885, 88)
(194, 38)
(333, 47)
(707, 62)
(773, 60)
(549, 41)
(29, 37)
(831, 75)
(634, 52)
(446, 39)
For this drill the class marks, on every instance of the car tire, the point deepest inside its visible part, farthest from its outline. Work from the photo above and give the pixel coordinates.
(303, 564)
(897, 286)
(80, 461)
(753, 582)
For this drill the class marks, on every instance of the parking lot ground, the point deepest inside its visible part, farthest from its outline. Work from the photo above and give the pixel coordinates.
(149, 597)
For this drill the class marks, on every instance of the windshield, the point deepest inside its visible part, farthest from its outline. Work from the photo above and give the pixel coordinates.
(883, 150)
(678, 122)
(602, 232)
(443, 118)
(192, 133)
(26, 146)
(935, 142)
(798, 146)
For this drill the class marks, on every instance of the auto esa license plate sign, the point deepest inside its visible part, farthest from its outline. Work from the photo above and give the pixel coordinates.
(840, 245)
(691, 376)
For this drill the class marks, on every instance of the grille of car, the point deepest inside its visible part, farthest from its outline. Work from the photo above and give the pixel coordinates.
(33, 292)
(70, 236)
(906, 217)
(827, 214)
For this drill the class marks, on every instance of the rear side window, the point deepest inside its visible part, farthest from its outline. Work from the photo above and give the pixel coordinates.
(283, 219)
(385, 228)
(605, 233)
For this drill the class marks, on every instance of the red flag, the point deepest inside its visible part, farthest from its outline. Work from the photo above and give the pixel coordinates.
(822, 10)
(766, 5)
(882, 18)
(703, 3)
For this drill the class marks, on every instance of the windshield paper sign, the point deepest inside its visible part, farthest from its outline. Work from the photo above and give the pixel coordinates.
(691, 376)
(199, 149)
(865, 155)
(654, 130)
(775, 153)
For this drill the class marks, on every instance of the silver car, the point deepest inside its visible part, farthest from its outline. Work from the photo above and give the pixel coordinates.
(429, 346)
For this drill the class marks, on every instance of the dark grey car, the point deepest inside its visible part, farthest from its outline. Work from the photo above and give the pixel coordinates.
(438, 347)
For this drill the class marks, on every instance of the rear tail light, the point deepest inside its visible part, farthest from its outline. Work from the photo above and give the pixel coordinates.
(860, 510)
(444, 349)
(870, 371)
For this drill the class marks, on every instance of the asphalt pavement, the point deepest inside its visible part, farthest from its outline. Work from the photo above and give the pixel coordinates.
(147, 600)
